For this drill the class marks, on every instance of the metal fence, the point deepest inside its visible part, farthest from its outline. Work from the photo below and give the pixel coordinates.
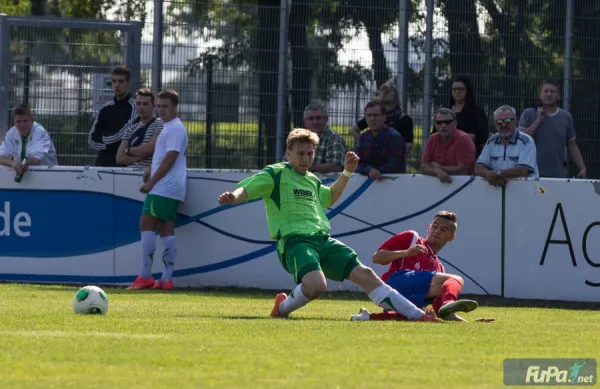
(61, 68)
(246, 69)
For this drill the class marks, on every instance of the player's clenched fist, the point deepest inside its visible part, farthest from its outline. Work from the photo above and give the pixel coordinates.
(226, 198)
(351, 161)
(417, 249)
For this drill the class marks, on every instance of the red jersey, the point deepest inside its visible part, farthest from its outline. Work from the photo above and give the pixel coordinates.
(420, 262)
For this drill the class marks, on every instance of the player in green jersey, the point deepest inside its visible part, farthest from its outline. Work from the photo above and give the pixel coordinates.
(295, 200)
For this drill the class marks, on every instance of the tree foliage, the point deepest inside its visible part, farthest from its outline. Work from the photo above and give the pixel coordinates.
(505, 46)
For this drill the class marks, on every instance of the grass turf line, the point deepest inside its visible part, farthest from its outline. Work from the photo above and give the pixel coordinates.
(216, 339)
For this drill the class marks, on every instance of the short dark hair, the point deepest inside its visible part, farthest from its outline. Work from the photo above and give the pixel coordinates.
(550, 81)
(22, 110)
(376, 103)
(122, 70)
(146, 92)
(169, 94)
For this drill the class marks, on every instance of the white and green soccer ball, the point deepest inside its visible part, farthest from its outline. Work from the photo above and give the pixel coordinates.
(90, 300)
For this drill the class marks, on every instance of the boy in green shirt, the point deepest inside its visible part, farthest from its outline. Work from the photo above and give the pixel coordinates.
(295, 200)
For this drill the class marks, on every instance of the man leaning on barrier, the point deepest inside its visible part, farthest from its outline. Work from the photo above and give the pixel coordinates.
(509, 153)
(449, 151)
(27, 143)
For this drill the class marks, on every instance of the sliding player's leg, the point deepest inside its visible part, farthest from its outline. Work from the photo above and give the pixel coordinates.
(445, 289)
(340, 262)
(413, 285)
(301, 259)
(423, 288)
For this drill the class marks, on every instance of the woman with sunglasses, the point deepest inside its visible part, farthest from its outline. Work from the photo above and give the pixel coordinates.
(395, 117)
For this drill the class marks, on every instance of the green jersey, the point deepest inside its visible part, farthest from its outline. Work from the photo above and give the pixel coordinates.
(294, 202)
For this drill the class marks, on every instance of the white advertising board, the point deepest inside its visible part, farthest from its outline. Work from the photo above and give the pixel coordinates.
(85, 228)
(552, 241)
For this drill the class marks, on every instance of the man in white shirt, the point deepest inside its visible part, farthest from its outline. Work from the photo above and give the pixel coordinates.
(165, 185)
(27, 143)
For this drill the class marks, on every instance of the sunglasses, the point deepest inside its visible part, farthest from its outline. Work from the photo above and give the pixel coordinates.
(314, 118)
(499, 122)
(440, 122)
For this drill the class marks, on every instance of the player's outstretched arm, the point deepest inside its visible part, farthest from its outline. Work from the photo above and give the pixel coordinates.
(232, 198)
(340, 184)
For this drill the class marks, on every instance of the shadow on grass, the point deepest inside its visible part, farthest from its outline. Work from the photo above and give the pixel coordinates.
(500, 302)
(261, 294)
(266, 317)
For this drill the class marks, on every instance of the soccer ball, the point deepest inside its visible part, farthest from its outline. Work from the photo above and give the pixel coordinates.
(90, 300)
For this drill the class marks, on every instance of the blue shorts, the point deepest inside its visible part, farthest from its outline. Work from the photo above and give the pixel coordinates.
(414, 285)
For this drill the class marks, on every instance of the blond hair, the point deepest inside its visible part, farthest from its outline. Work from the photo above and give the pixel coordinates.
(301, 135)
(389, 87)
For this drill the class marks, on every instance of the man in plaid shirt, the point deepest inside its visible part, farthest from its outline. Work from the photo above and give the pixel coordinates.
(331, 151)
(381, 149)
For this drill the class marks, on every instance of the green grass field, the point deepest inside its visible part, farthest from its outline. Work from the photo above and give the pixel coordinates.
(225, 339)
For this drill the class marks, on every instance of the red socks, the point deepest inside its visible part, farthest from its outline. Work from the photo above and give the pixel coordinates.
(388, 315)
(450, 291)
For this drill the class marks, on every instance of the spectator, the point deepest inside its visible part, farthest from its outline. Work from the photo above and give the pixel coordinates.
(139, 139)
(27, 143)
(381, 149)
(113, 119)
(331, 150)
(449, 151)
(469, 117)
(395, 118)
(509, 153)
(552, 128)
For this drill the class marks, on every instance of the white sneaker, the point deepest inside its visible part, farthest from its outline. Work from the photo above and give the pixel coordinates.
(363, 315)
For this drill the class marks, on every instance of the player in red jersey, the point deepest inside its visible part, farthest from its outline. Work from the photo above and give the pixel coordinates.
(417, 273)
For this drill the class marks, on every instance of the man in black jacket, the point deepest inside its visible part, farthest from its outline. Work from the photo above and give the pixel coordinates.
(113, 119)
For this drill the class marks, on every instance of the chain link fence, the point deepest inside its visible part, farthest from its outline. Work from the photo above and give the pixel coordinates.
(62, 70)
(223, 59)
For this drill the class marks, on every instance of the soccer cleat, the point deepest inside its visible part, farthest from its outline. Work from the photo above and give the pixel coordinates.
(142, 283)
(457, 306)
(363, 315)
(159, 285)
(430, 312)
(278, 300)
(427, 318)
